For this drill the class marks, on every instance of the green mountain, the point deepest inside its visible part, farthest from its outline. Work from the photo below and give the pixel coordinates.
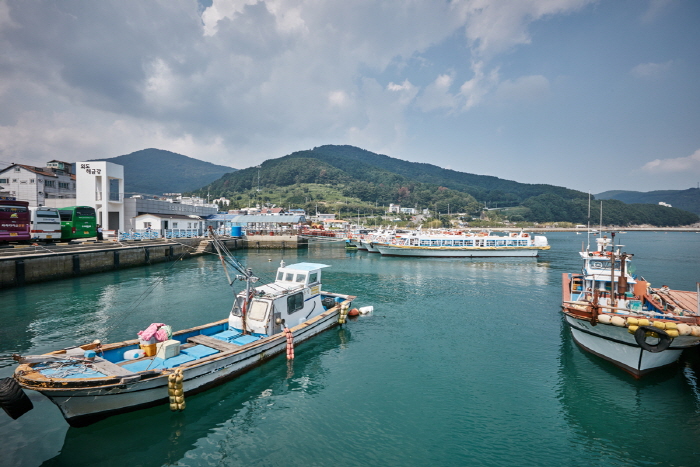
(688, 200)
(156, 171)
(372, 181)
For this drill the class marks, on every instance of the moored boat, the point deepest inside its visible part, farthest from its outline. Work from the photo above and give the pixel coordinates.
(621, 318)
(94, 381)
(464, 245)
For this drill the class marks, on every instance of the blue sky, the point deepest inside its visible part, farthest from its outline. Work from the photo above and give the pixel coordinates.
(591, 95)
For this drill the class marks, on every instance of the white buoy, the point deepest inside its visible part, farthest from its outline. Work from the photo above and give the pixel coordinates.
(366, 309)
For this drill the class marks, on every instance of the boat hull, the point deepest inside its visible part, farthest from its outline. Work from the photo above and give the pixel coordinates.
(84, 406)
(446, 252)
(618, 346)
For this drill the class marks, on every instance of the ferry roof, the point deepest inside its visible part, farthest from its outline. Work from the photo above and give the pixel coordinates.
(306, 266)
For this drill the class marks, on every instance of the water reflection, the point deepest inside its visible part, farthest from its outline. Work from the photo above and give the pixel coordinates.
(619, 420)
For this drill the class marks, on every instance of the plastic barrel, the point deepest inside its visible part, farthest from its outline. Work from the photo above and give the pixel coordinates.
(236, 231)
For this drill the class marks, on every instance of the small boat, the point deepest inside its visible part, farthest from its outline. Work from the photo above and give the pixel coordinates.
(94, 381)
(620, 318)
(457, 244)
(350, 246)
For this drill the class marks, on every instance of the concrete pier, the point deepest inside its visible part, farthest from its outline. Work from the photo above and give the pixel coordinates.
(23, 265)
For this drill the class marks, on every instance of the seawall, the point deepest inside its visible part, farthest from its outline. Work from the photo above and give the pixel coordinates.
(38, 263)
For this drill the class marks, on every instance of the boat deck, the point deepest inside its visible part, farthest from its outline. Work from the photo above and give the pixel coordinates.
(684, 299)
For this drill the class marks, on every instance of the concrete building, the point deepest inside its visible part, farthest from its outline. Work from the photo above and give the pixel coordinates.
(170, 223)
(100, 184)
(53, 185)
(134, 207)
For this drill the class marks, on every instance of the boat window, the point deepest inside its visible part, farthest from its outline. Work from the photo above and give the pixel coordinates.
(290, 277)
(280, 276)
(301, 277)
(258, 310)
(236, 311)
(313, 277)
(295, 302)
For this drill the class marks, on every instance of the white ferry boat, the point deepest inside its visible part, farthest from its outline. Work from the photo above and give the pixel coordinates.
(94, 381)
(619, 317)
(464, 245)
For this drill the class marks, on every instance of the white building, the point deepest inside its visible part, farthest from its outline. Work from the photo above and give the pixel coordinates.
(101, 185)
(40, 186)
(661, 203)
(222, 200)
(408, 210)
(394, 208)
(162, 222)
(136, 206)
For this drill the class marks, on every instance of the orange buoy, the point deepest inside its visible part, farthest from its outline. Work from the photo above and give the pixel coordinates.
(354, 312)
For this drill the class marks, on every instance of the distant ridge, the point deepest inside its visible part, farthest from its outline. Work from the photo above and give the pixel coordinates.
(688, 200)
(338, 173)
(157, 171)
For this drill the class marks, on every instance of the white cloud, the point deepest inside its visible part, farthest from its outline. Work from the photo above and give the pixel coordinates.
(651, 70)
(244, 77)
(437, 94)
(493, 27)
(524, 88)
(473, 90)
(656, 7)
(679, 164)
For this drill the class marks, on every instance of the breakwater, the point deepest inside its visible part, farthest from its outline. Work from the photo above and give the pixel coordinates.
(38, 263)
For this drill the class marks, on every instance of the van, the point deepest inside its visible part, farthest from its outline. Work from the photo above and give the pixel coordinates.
(45, 224)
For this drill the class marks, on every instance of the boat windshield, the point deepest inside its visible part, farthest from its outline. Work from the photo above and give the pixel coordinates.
(236, 311)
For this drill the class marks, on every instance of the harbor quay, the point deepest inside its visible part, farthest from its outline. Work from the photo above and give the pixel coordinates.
(24, 265)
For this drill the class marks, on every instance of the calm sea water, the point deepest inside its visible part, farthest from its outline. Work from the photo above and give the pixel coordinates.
(463, 362)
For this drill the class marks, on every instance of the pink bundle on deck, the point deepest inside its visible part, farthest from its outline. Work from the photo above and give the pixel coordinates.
(154, 330)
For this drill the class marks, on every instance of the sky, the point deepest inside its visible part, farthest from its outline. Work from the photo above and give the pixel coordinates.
(591, 95)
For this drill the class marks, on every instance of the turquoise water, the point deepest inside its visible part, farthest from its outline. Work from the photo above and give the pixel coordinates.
(463, 362)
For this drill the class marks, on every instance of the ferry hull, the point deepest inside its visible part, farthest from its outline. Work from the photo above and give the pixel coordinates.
(84, 406)
(445, 252)
(618, 346)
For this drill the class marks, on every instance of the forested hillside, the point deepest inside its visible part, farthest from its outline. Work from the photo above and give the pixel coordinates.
(369, 181)
(156, 171)
(688, 200)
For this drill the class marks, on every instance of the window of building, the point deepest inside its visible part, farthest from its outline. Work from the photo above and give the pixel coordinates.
(31, 180)
(4, 180)
(64, 185)
(50, 183)
(18, 169)
(14, 180)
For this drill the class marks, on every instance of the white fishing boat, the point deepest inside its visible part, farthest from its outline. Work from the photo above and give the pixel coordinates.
(94, 381)
(464, 245)
(620, 318)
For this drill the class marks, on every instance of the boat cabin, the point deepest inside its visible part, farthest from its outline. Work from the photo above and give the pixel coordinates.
(293, 298)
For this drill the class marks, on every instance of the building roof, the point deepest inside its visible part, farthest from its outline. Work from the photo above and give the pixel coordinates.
(36, 170)
(173, 216)
(260, 219)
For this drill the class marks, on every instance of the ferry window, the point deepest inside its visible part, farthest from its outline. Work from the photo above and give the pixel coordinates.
(258, 310)
(290, 277)
(280, 275)
(313, 277)
(301, 277)
(295, 302)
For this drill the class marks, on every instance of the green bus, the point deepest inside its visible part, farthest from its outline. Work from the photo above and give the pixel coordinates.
(78, 222)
